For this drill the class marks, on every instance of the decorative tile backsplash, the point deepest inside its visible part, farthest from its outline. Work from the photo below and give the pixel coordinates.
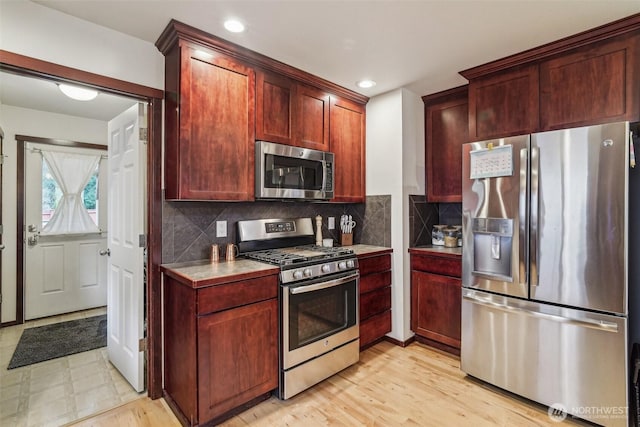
(189, 228)
(423, 216)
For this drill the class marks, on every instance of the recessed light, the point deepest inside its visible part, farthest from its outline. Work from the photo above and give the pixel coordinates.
(234, 25)
(365, 84)
(78, 93)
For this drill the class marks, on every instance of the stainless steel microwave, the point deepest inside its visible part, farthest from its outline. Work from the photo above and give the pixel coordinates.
(287, 172)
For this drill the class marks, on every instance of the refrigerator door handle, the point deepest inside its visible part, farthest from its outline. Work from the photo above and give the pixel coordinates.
(522, 213)
(533, 245)
(585, 323)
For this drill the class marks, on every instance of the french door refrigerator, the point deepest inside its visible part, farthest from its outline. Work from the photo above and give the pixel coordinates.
(544, 272)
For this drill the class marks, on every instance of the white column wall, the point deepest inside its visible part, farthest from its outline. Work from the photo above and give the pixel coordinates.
(395, 166)
(384, 176)
(413, 170)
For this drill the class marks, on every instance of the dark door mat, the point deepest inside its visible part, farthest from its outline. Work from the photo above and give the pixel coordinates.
(59, 340)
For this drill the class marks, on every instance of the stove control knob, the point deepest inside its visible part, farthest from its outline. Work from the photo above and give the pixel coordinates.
(297, 274)
(326, 268)
(342, 265)
(307, 272)
(350, 263)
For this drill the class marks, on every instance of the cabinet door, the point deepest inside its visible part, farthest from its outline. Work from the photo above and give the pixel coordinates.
(504, 104)
(217, 127)
(435, 307)
(274, 107)
(237, 357)
(347, 142)
(311, 118)
(447, 128)
(594, 85)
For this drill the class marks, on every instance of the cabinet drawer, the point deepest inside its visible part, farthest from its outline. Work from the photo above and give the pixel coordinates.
(375, 328)
(437, 265)
(375, 302)
(235, 294)
(371, 282)
(374, 264)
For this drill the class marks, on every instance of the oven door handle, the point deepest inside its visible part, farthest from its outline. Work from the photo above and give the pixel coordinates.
(323, 285)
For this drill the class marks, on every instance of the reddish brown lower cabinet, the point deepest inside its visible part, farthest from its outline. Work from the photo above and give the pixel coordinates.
(436, 299)
(220, 347)
(375, 297)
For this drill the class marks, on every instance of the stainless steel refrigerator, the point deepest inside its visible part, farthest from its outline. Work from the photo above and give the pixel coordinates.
(544, 272)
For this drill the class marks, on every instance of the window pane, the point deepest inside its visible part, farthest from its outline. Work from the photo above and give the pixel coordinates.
(90, 197)
(51, 195)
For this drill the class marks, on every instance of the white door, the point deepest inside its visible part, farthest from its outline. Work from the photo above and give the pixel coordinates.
(62, 272)
(127, 195)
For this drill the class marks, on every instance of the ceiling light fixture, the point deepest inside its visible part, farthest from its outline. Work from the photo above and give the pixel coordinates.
(78, 93)
(234, 25)
(366, 84)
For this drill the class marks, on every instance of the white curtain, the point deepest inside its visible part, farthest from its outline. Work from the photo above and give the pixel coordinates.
(72, 172)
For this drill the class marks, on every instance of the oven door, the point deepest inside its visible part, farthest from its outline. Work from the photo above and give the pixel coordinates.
(318, 316)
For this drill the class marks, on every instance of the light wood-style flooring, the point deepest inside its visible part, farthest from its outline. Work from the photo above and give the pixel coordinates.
(390, 386)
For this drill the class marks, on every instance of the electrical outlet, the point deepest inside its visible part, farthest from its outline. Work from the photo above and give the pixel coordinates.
(331, 222)
(221, 228)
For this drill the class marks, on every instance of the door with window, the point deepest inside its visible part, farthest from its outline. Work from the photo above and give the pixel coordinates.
(65, 217)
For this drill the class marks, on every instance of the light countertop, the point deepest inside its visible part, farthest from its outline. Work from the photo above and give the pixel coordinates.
(364, 250)
(437, 250)
(205, 273)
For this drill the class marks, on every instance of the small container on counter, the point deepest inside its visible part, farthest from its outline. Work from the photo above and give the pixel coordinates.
(437, 235)
(450, 237)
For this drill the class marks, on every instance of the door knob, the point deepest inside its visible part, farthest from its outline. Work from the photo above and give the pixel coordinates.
(1, 247)
(107, 252)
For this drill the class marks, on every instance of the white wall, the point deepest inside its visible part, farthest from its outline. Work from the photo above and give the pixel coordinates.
(33, 30)
(395, 166)
(22, 121)
(39, 32)
(384, 176)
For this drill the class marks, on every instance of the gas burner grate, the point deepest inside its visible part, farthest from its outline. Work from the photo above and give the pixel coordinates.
(298, 254)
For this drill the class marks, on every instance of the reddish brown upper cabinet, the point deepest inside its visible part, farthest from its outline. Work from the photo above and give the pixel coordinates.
(347, 142)
(274, 107)
(312, 118)
(210, 125)
(436, 299)
(592, 77)
(446, 129)
(596, 84)
(292, 113)
(375, 296)
(504, 104)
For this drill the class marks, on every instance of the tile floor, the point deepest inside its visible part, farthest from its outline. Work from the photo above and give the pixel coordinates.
(58, 391)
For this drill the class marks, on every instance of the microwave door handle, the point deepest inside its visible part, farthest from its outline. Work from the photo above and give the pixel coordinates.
(322, 285)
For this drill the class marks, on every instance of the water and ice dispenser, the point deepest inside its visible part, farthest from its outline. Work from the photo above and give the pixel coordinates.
(492, 240)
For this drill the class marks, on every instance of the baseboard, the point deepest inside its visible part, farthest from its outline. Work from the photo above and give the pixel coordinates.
(398, 342)
(5, 324)
(438, 345)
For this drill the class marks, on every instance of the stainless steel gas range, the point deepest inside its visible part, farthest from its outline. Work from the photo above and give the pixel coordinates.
(318, 296)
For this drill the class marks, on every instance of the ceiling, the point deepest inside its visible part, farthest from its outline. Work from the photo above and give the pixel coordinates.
(419, 45)
(44, 95)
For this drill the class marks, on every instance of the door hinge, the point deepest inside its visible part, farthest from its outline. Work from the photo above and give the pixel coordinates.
(142, 241)
(1, 229)
(0, 298)
(142, 344)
